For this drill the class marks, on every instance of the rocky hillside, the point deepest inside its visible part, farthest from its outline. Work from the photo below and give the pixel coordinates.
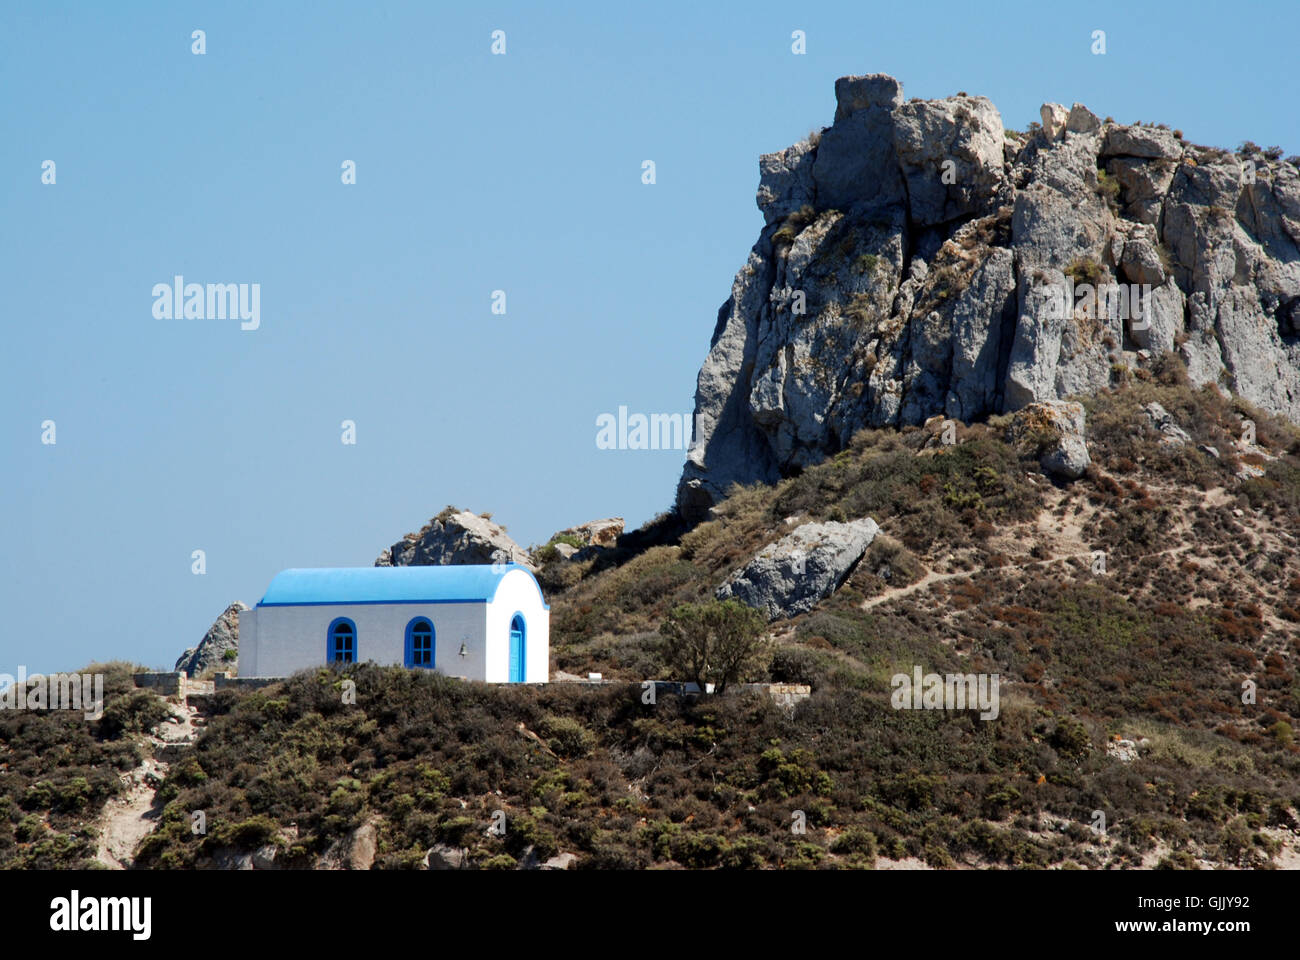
(908, 461)
(1122, 682)
(912, 251)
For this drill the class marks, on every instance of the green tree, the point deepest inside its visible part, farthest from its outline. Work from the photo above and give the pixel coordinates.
(712, 642)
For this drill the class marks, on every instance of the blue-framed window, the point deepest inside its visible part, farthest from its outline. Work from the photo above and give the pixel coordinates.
(420, 643)
(341, 642)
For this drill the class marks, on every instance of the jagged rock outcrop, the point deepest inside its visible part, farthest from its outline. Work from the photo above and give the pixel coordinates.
(790, 576)
(593, 533)
(223, 635)
(456, 536)
(918, 260)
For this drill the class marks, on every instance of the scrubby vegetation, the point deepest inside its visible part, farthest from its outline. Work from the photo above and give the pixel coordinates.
(1157, 600)
(57, 769)
(712, 783)
(794, 225)
(1197, 594)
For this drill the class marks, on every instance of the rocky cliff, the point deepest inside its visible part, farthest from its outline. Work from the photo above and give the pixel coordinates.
(913, 259)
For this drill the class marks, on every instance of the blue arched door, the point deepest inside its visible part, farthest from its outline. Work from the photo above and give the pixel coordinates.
(517, 649)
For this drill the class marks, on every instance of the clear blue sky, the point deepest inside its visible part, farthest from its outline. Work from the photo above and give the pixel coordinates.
(475, 173)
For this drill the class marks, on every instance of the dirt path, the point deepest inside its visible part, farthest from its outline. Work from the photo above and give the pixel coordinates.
(1067, 537)
(126, 820)
(933, 577)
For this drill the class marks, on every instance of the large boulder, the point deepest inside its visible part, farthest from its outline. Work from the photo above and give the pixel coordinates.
(441, 856)
(355, 850)
(1053, 117)
(210, 654)
(950, 152)
(232, 858)
(1054, 431)
(456, 536)
(1082, 120)
(1141, 261)
(562, 861)
(790, 576)
(1138, 141)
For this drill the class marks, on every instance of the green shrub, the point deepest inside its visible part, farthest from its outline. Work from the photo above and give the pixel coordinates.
(135, 712)
(247, 834)
(856, 840)
(1107, 186)
(566, 736)
(1084, 270)
(1071, 739)
(866, 263)
(797, 665)
(712, 643)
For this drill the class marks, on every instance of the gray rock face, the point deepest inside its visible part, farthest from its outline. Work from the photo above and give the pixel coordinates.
(912, 254)
(1060, 223)
(792, 575)
(223, 635)
(733, 449)
(456, 536)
